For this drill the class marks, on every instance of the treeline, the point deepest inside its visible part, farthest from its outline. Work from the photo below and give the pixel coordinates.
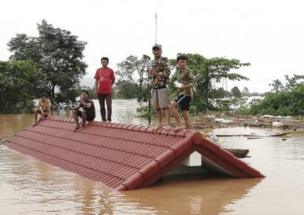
(132, 73)
(18, 84)
(285, 98)
(50, 64)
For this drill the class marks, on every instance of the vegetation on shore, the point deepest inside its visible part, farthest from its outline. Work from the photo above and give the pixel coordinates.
(284, 99)
(18, 84)
(52, 64)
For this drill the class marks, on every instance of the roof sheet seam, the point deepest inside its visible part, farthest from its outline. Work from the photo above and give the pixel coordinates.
(102, 146)
(131, 127)
(100, 158)
(102, 172)
(125, 139)
(108, 136)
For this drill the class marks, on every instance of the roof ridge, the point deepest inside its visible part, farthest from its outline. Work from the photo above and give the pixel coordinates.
(132, 127)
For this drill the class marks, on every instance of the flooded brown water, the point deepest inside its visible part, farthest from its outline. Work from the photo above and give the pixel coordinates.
(29, 186)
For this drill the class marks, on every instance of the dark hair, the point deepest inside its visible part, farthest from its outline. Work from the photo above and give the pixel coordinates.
(105, 58)
(85, 91)
(182, 57)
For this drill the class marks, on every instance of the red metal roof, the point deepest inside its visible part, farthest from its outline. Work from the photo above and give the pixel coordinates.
(122, 156)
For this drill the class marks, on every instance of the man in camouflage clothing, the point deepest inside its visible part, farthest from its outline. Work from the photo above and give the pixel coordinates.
(159, 74)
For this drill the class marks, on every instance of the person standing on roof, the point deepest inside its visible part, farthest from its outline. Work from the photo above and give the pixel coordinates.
(104, 79)
(159, 74)
(184, 85)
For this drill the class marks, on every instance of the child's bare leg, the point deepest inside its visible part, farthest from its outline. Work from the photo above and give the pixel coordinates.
(75, 116)
(167, 116)
(187, 119)
(36, 113)
(159, 117)
(174, 112)
(84, 118)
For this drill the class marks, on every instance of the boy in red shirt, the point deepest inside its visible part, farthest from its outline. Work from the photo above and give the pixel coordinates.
(103, 85)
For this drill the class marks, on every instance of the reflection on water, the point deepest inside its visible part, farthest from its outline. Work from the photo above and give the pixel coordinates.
(12, 123)
(193, 196)
(29, 186)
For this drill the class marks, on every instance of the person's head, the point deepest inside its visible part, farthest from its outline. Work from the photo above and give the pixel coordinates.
(84, 94)
(104, 61)
(181, 61)
(157, 50)
(43, 98)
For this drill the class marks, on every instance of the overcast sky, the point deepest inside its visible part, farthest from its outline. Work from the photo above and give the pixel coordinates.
(267, 33)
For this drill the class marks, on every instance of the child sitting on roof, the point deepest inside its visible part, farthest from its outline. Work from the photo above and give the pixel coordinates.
(43, 109)
(85, 110)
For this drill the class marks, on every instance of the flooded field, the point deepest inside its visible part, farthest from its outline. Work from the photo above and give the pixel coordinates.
(29, 186)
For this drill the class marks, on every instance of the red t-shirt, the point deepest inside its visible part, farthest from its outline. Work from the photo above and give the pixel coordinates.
(105, 78)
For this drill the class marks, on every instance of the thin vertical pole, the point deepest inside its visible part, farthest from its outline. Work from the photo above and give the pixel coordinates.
(155, 27)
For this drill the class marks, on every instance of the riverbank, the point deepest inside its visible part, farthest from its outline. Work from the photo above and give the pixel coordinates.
(224, 120)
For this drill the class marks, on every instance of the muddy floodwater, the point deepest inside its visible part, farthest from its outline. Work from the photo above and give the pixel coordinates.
(29, 186)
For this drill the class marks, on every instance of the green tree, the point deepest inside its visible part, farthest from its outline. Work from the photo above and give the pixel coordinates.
(288, 85)
(134, 70)
(245, 91)
(236, 92)
(286, 98)
(220, 93)
(18, 82)
(280, 103)
(294, 81)
(57, 54)
(126, 89)
(206, 70)
(277, 86)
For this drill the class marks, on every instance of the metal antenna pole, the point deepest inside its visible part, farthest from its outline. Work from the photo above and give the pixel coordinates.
(149, 97)
(155, 27)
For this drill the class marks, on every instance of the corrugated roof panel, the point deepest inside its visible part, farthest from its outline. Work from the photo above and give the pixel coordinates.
(122, 156)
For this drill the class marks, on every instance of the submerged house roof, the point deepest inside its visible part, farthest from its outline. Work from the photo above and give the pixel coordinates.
(122, 156)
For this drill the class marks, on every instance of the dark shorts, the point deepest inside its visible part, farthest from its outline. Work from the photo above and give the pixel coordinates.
(183, 102)
(90, 117)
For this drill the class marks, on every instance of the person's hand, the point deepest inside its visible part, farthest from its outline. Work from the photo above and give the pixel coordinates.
(152, 72)
(75, 107)
(177, 84)
(83, 102)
